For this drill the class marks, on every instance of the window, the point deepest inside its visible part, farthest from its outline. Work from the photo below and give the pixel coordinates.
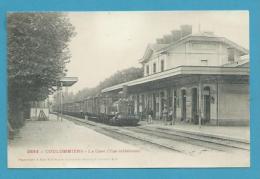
(204, 62)
(154, 67)
(147, 69)
(231, 55)
(162, 65)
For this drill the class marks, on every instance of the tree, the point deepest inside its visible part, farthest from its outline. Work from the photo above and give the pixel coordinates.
(122, 76)
(37, 55)
(117, 78)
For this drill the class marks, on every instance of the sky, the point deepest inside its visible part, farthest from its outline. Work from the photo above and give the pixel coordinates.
(107, 42)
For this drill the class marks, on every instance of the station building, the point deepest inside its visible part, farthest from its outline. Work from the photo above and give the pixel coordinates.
(203, 78)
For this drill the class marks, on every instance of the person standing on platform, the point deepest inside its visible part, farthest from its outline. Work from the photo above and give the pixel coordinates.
(165, 115)
(171, 116)
(150, 116)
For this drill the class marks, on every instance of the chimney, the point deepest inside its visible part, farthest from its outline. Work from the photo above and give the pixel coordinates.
(186, 30)
(167, 39)
(160, 41)
(176, 35)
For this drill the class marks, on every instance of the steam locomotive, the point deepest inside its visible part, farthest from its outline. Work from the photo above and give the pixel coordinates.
(112, 110)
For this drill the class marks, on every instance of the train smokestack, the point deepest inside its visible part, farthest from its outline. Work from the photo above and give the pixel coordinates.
(125, 91)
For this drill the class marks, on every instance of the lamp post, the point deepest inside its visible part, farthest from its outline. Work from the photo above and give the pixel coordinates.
(61, 95)
(66, 82)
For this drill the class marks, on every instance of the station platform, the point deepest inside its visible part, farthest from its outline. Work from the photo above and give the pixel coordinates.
(237, 133)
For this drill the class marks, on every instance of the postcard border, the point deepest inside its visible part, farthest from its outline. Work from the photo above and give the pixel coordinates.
(137, 5)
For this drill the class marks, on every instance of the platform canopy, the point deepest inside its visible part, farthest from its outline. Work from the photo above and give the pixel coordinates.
(182, 72)
(68, 81)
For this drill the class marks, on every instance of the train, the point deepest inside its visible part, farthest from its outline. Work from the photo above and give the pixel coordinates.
(111, 110)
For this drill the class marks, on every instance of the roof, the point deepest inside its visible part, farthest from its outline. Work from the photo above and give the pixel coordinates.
(152, 48)
(156, 47)
(242, 62)
(183, 70)
(68, 81)
(203, 36)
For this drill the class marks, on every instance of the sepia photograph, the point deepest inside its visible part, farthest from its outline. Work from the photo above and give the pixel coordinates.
(128, 89)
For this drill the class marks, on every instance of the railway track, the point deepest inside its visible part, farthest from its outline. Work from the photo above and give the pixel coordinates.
(115, 133)
(218, 144)
(219, 141)
(180, 142)
(120, 133)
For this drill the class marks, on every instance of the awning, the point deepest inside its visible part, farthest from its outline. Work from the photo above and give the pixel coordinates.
(183, 70)
(68, 81)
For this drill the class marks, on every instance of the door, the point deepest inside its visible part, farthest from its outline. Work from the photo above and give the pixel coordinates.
(163, 102)
(154, 105)
(206, 104)
(183, 106)
(194, 106)
(174, 104)
(169, 98)
(143, 105)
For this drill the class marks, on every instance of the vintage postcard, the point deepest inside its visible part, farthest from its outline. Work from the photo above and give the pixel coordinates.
(155, 89)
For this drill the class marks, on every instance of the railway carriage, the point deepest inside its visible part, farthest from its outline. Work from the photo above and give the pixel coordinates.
(110, 110)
